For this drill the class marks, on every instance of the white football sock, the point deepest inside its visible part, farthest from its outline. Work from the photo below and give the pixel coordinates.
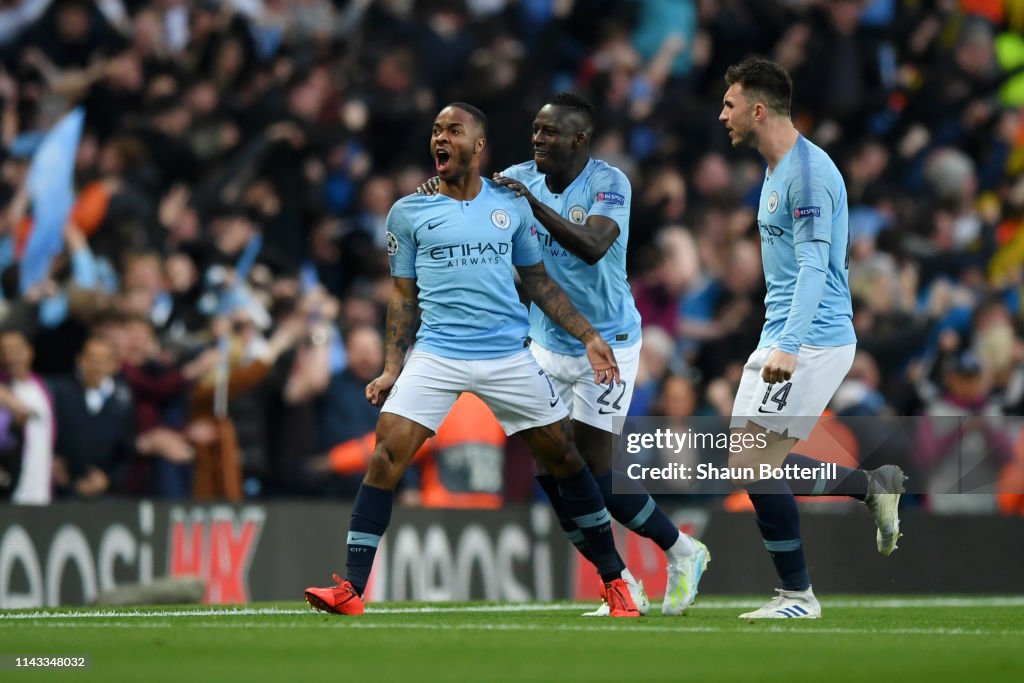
(682, 548)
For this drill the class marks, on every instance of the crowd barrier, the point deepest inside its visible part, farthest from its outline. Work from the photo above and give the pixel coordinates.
(68, 554)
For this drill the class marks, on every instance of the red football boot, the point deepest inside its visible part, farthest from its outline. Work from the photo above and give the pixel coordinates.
(340, 599)
(620, 602)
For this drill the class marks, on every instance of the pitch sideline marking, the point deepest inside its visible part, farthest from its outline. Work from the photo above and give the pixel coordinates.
(594, 627)
(840, 603)
(870, 603)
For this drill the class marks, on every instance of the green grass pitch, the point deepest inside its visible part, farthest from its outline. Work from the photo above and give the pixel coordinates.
(890, 639)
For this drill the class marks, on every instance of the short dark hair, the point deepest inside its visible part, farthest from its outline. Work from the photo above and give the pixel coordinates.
(477, 115)
(353, 330)
(570, 100)
(764, 80)
(97, 339)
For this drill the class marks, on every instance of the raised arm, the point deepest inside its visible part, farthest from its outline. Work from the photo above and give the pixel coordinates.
(546, 294)
(399, 336)
(589, 241)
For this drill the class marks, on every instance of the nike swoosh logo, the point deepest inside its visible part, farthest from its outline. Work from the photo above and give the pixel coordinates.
(431, 226)
(767, 412)
(554, 403)
(602, 411)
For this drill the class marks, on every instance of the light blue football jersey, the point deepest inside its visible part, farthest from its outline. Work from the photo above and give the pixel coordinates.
(805, 199)
(601, 292)
(462, 255)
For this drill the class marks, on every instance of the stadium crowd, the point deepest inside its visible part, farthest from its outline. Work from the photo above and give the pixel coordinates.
(217, 306)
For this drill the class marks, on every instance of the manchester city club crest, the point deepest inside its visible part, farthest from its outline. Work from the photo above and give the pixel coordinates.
(500, 219)
(577, 214)
(392, 244)
(773, 201)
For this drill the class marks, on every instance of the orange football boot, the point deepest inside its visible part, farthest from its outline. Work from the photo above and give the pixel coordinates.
(620, 602)
(340, 599)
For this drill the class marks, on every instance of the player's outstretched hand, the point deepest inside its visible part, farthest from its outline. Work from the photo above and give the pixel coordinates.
(377, 391)
(512, 184)
(779, 367)
(430, 187)
(602, 359)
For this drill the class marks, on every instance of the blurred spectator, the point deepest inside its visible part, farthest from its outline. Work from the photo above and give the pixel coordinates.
(999, 352)
(656, 354)
(675, 398)
(858, 394)
(344, 412)
(737, 311)
(661, 203)
(346, 421)
(241, 365)
(93, 401)
(837, 78)
(294, 391)
(670, 267)
(27, 408)
(159, 390)
(964, 441)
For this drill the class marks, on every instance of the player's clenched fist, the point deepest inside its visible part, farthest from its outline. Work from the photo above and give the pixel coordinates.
(779, 367)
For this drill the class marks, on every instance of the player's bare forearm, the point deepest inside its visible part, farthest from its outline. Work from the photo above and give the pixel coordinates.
(589, 241)
(401, 323)
(552, 299)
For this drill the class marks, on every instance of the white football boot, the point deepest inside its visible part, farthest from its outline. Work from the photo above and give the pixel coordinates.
(788, 605)
(885, 485)
(683, 578)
